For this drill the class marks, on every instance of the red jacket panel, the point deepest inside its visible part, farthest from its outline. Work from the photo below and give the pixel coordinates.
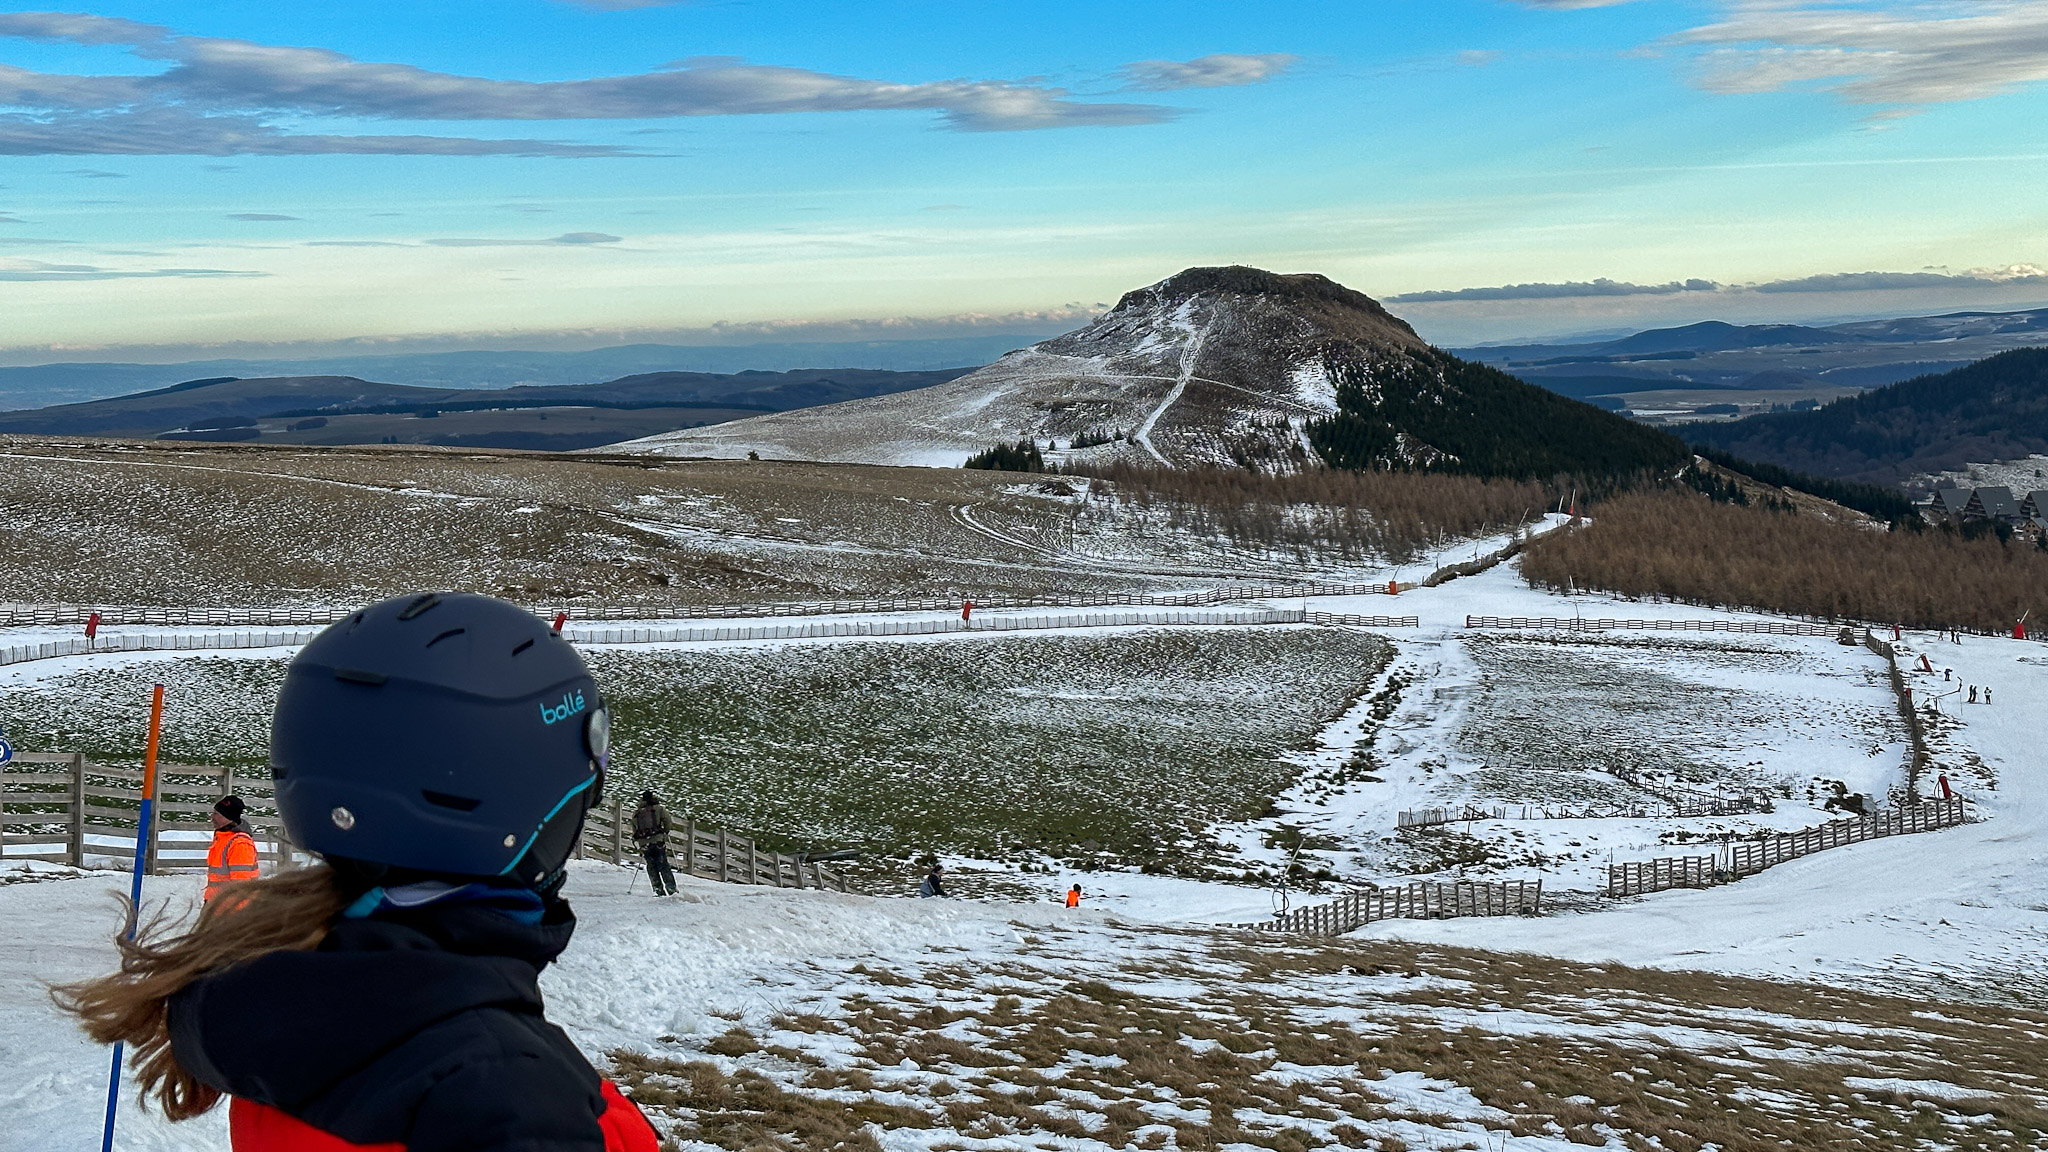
(254, 1127)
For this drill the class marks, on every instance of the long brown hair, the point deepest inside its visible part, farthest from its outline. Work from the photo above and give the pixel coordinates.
(289, 911)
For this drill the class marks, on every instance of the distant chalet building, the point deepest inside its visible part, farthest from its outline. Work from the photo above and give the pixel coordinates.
(1995, 503)
(2035, 508)
(1948, 505)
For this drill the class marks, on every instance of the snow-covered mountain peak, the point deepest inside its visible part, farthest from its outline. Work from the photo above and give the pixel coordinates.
(1209, 366)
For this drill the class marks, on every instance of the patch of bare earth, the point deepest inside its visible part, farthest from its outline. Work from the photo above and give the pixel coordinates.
(1202, 1041)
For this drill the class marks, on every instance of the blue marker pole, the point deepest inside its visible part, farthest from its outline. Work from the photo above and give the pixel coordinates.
(156, 727)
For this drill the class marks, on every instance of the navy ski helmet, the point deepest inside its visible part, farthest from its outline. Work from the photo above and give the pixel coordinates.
(454, 734)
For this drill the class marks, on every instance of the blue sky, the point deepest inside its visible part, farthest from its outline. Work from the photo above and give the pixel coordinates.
(180, 179)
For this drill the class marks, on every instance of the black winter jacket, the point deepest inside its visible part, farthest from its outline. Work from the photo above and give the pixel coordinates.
(650, 826)
(421, 1027)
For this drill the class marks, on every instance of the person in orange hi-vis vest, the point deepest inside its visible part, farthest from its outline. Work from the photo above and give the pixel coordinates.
(1074, 896)
(232, 858)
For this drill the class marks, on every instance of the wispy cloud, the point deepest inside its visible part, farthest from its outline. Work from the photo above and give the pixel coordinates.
(219, 96)
(569, 238)
(177, 131)
(37, 270)
(1937, 51)
(259, 216)
(2015, 275)
(1221, 70)
(2024, 275)
(1569, 288)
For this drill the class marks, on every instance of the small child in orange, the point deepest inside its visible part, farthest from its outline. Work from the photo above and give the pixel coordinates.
(1074, 896)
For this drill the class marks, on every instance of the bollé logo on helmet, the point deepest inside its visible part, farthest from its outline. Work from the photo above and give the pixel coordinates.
(572, 703)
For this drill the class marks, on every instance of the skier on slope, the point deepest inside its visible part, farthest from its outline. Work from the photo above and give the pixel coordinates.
(650, 835)
(439, 754)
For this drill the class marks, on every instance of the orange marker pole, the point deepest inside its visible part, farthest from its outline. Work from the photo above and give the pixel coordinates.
(156, 728)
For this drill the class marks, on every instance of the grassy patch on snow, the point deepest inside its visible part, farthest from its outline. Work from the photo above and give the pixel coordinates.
(1113, 749)
(1208, 1043)
(1117, 750)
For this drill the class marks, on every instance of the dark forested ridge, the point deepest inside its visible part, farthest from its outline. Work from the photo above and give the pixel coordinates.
(1436, 411)
(1995, 409)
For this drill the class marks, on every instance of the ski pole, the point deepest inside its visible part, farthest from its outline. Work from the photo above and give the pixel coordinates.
(156, 727)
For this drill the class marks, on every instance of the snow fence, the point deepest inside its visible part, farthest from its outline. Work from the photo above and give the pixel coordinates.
(61, 808)
(697, 632)
(1741, 858)
(1421, 900)
(16, 615)
(157, 642)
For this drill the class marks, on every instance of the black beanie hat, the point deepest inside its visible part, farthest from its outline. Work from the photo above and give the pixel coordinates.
(231, 807)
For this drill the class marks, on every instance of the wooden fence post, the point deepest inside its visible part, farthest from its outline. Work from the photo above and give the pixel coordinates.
(689, 846)
(618, 831)
(723, 874)
(74, 846)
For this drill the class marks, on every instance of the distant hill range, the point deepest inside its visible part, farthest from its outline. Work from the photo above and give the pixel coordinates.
(1714, 355)
(1993, 410)
(40, 385)
(347, 410)
(1217, 366)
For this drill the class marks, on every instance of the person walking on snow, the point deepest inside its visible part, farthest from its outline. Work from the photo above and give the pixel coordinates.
(232, 857)
(650, 834)
(438, 755)
(934, 884)
(1074, 896)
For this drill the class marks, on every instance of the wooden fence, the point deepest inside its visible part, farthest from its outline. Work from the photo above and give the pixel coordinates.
(1917, 756)
(1348, 620)
(713, 854)
(1755, 627)
(222, 617)
(1422, 900)
(1636, 877)
(64, 809)
(1740, 858)
(1747, 858)
(688, 633)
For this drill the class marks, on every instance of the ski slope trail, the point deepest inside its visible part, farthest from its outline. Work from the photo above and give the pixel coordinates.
(1190, 355)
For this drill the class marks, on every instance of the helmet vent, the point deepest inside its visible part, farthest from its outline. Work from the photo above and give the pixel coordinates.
(359, 676)
(419, 605)
(523, 646)
(459, 803)
(446, 635)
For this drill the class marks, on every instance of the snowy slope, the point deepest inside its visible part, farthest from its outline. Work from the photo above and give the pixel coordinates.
(1211, 364)
(1961, 913)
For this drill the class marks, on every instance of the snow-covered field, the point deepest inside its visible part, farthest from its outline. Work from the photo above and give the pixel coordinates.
(745, 1018)
(942, 1022)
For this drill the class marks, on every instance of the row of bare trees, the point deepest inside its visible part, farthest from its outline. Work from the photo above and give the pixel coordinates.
(1324, 511)
(1680, 546)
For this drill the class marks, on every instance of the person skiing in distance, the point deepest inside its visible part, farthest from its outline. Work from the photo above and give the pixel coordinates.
(438, 754)
(650, 835)
(1074, 896)
(231, 858)
(934, 883)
